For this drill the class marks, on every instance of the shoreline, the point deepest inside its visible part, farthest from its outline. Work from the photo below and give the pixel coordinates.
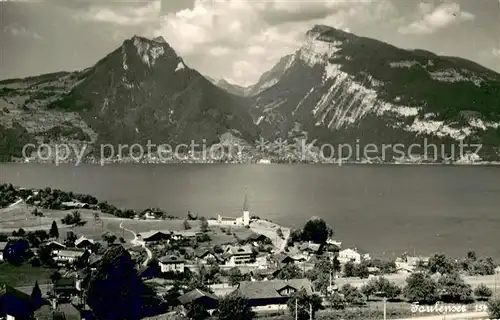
(76, 164)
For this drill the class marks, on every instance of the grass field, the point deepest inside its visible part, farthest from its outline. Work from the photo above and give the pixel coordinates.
(24, 275)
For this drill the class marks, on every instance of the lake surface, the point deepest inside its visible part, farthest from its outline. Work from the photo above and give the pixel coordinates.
(385, 210)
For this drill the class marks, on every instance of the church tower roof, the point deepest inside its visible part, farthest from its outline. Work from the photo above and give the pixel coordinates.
(245, 203)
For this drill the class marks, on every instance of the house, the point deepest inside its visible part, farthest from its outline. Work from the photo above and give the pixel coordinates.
(84, 243)
(184, 235)
(93, 261)
(2, 247)
(152, 237)
(205, 256)
(272, 294)
(244, 220)
(69, 256)
(65, 288)
(171, 264)
(352, 255)
(310, 248)
(61, 311)
(281, 260)
(14, 304)
(264, 274)
(239, 255)
(208, 300)
(149, 271)
(55, 246)
(74, 205)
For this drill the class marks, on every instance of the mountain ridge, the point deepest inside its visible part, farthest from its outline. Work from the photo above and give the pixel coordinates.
(336, 88)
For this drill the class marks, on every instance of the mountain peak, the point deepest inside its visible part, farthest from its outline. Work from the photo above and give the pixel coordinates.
(159, 39)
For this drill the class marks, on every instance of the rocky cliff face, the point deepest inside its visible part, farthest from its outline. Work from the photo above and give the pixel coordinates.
(340, 88)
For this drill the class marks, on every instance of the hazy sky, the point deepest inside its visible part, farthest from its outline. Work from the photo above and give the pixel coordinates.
(234, 39)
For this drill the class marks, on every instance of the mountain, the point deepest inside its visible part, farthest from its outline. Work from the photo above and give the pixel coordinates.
(141, 91)
(271, 77)
(229, 87)
(342, 88)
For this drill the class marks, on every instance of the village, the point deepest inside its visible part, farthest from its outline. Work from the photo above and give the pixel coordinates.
(194, 267)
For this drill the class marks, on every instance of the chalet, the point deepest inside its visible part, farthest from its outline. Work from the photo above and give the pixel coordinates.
(171, 264)
(281, 260)
(65, 256)
(256, 237)
(239, 255)
(273, 294)
(208, 300)
(84, 243)
(310, 248)
(14, 304)
(2, 247)
(264, 274)
(184, 235)
(153, 237)
(55, 246)
(205, 256)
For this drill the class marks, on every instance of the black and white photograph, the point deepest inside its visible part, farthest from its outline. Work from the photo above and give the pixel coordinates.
(249, 159)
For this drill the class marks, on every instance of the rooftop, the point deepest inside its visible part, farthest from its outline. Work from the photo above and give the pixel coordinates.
(171, 259)
(270, 289)
(71, 253)
(194, 295)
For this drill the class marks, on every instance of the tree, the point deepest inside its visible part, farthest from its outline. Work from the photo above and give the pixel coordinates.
(482, 292)
(336, 264)
(234, 276)
(115, 289)
(15, 252)
(70, 239)
(290, 271)
(349, 269)
(494, 309)
(361, 270)
(109, 238)
(381, 287)
(336, 301)
(54, 231)
(421, 288)
(454, 289)
(316, 230)
(279, 233)
(439, 262)
(204, 225)
(36, 297)
(471, 255)
(196, 311)
(304, 303)
(234, 306)
(187, 226)
(352, 295)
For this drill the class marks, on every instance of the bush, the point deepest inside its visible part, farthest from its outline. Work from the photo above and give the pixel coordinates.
(421, 288)
(482, 292)
(494, 309)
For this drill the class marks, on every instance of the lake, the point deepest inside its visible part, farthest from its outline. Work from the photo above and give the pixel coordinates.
(384, 209)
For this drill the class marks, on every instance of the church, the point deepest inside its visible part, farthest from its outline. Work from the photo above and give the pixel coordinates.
(244, 220)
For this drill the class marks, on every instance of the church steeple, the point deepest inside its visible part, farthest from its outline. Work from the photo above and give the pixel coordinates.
(245, 203)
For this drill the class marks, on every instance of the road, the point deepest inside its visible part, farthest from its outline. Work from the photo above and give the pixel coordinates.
(453, 316)
(137, 242)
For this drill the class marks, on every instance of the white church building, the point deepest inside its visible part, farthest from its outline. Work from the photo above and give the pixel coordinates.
(244, 220)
